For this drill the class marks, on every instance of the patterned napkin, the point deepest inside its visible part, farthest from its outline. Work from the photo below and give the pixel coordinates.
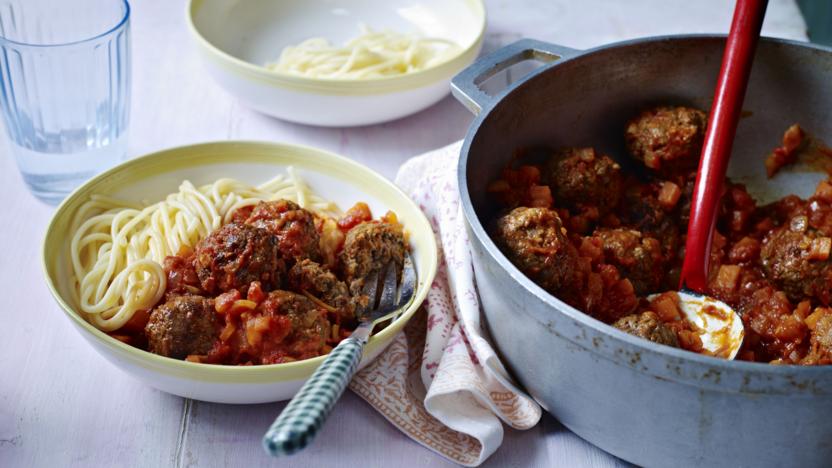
(440, 382)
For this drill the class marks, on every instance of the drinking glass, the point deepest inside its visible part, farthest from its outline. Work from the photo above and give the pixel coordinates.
(64, 89)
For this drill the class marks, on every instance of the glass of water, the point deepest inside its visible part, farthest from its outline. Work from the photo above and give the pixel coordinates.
(64, 89)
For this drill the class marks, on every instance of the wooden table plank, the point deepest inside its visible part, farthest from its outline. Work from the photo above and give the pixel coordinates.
(221, 434)
(60, 403)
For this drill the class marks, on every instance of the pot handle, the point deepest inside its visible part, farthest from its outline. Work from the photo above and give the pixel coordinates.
(466, 85)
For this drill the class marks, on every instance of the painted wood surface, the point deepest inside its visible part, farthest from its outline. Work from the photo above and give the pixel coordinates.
(63, 405)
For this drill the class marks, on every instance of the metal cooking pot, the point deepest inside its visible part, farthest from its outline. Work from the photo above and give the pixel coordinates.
(648, 404)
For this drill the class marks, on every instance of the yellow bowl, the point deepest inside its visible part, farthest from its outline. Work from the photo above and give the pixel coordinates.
(236, 39)
(151, 177)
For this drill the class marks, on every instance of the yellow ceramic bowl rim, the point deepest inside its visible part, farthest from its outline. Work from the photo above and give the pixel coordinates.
(367, 86)
(221, 152)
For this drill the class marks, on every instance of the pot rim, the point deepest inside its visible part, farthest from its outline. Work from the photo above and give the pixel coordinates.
(642, 345)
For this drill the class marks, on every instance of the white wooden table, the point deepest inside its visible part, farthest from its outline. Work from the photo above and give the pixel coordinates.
(62, 405)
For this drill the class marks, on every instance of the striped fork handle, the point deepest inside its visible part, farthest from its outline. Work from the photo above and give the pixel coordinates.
(300, 421)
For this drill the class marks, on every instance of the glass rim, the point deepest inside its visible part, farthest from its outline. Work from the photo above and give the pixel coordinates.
(119, 24)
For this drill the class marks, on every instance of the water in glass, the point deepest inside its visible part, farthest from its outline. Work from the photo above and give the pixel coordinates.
(64, 89)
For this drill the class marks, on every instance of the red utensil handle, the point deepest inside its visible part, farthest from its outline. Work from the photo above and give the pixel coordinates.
(719, 138)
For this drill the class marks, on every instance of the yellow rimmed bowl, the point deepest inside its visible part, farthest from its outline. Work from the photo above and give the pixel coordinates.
(151, 177)
(236, 38)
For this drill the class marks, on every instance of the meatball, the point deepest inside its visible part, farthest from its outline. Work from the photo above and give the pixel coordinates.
(308, 329)
(638, 257)
(368, 248)
(667, 139)
(182, 326)
(648, 326)
(294, 227)
(788, 259)
(582, 177)
(234, 255)
(318, 281)
(642, 211)
(534, 239)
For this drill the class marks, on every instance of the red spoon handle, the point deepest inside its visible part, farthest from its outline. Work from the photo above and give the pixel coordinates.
(722, 126)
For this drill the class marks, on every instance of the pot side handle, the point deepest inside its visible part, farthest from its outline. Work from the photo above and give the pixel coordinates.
(466, 85)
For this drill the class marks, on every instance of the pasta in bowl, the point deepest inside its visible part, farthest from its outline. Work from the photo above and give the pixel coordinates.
(371, 55)
(311, 62)
(119, 257)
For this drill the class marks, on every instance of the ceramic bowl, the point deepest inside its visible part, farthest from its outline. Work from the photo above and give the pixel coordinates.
(236, 38)
(153, 176)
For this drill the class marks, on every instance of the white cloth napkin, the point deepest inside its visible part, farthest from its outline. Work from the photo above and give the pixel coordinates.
(441, 382)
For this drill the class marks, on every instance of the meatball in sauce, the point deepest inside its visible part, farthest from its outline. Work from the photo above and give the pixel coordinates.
(647, 325)
(368, 248)
(318, 281)
(535, 240)
(293, 226)
(790, 259)
(582, 178)
(305, 336)
(182, 326)
(638, 257)
(667, 139)
(235, 255)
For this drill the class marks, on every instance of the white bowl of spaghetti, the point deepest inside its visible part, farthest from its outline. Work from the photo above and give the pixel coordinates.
(342, 63)
(105, 246)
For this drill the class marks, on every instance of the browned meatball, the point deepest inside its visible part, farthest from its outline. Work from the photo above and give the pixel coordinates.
(787, 259)
(667, 139)
(640, 210)
(294, 227)
(648, 326)
(368, 248)
(309, 326)
(235, 255)
(638, 257)
(182, 326)
(534, 239)
(318, 281)
(581, 177)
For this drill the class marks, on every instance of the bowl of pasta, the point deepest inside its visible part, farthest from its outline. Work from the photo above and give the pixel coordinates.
(225, 271)
(337, 63)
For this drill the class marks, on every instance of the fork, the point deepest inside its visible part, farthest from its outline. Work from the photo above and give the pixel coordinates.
(303, 417)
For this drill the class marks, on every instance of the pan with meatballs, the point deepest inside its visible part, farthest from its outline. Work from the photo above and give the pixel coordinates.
(604, 240)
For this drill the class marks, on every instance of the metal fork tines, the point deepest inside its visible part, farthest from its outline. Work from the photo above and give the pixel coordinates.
(395, 293)
(300, 421)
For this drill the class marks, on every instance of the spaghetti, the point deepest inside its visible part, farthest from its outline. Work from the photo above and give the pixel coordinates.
(370, 55)
(118, 247)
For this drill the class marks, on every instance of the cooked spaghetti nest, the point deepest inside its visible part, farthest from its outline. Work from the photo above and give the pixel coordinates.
(118, 247)
(373, 54)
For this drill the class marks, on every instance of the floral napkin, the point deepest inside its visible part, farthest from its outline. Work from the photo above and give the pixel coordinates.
(440, 382)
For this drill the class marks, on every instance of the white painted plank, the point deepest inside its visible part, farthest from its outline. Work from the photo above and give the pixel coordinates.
(219, 435)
